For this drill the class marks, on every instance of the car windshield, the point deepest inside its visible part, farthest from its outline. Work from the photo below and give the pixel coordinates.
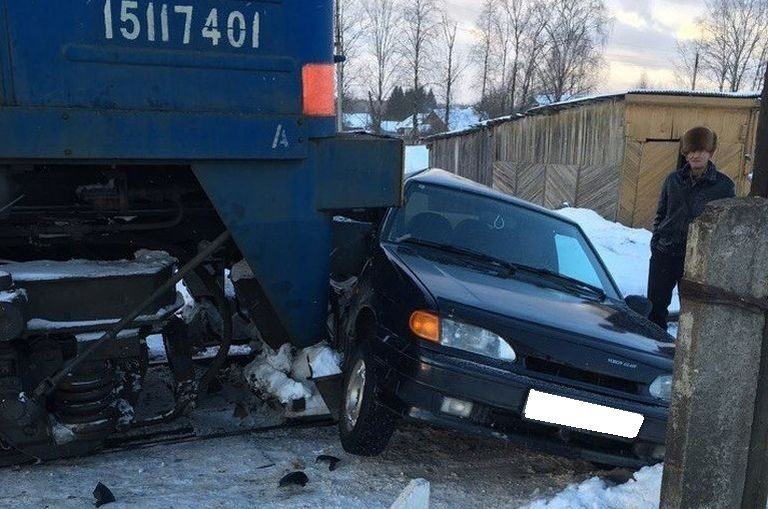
(497, 230)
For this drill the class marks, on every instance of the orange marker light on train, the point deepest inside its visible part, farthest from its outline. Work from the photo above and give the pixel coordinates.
(319, 84)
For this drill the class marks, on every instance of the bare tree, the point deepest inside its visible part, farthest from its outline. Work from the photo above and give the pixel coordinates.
(448, 30)
(534, 46)
(512, 49)
(575, 36)
(520, 16)
(643, 82)
(380, 40)
(350, 28)
(733, 46)
(503, 50)
(762, 66)
(687, 64)
(482, 51)
(420, 21)
(734, 31)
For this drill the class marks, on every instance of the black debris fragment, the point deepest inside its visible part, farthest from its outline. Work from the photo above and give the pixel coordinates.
(294, 478)
(103, 495)
(299, 405)
(333, 461)
(240, 411)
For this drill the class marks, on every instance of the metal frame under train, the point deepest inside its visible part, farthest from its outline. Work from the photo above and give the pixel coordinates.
(74, 361)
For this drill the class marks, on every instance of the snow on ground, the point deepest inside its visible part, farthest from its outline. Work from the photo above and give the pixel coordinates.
(626, 251)
(243, 472)
(416, 158)
(643, 491)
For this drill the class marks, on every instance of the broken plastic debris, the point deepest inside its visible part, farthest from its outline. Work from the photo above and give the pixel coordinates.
(295, 478)
(103, 495)
(332, 461)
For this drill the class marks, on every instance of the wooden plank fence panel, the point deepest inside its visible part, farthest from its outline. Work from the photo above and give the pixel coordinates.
(531, 179)
(630, 175)
(505, 177)
(598, 189)
(560, 186)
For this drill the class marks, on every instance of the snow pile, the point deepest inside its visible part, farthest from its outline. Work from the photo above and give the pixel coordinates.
(416, 158)
(316, 362)
(641, 492)
(625, 251)
(62, 434)
(269, 374)
(288, 377)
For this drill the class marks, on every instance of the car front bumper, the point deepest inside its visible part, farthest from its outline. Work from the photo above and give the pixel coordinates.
(414, 384)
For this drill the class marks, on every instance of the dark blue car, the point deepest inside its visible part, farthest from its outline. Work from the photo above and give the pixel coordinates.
(480, 312)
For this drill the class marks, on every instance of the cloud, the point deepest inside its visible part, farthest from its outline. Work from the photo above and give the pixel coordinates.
(623, 75)
(630, 18)
(678, 17)
(643, 39)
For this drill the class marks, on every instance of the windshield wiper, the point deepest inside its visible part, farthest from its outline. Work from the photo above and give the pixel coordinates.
(569, 283)
(508, 267)
(566, 281)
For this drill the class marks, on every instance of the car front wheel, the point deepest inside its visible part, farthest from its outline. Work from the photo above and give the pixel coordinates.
(365, 425)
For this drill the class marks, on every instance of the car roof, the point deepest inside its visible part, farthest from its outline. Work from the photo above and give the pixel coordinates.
(443, 178)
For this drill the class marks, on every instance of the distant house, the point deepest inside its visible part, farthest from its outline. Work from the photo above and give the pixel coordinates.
(363, 122)
(389, 127)
(357, 121)
(462, 117)
(429, 124)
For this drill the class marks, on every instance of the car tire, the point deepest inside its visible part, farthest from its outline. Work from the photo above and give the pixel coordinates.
(365, 425)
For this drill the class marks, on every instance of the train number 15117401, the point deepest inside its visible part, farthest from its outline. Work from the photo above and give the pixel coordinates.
(160, 22)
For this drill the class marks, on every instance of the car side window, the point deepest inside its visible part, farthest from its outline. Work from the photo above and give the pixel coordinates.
(573, 261)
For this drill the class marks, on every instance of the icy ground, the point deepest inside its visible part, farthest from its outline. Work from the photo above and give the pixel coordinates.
(243, 471)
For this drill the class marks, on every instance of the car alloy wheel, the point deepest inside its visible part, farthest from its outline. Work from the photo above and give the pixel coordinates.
(355, 393)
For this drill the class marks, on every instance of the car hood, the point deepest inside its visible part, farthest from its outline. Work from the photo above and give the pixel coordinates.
(522, 300)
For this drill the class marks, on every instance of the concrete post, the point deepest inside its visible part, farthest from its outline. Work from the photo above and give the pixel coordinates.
(716, 425)
(414, 496)
(760, 168)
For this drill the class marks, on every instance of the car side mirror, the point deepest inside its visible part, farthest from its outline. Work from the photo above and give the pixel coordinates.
(639, 304)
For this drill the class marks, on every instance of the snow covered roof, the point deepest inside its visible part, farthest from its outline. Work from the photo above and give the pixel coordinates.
(408, 122)
(462, 117)
(592, 99)
(362, 122)
(389, 126)
(357, 121)
(641, 91)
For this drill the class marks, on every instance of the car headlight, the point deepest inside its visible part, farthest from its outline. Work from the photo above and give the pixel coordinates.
(475, 340)
(662, 387)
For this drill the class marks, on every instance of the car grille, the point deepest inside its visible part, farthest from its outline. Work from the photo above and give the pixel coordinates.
(561, 370)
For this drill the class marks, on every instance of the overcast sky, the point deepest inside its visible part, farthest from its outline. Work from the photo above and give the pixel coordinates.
(642, 38)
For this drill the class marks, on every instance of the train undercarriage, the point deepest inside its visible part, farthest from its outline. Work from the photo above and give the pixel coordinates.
(82, 249)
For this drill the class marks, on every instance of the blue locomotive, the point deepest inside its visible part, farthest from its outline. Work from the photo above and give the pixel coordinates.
(143, 142)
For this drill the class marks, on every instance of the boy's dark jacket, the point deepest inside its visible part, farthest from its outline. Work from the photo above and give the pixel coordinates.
(682, 200)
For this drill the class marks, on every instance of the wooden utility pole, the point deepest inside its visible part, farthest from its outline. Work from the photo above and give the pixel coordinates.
(760, 166)
(695, 69)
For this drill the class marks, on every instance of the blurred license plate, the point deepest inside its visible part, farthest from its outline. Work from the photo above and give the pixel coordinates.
(551, 409)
